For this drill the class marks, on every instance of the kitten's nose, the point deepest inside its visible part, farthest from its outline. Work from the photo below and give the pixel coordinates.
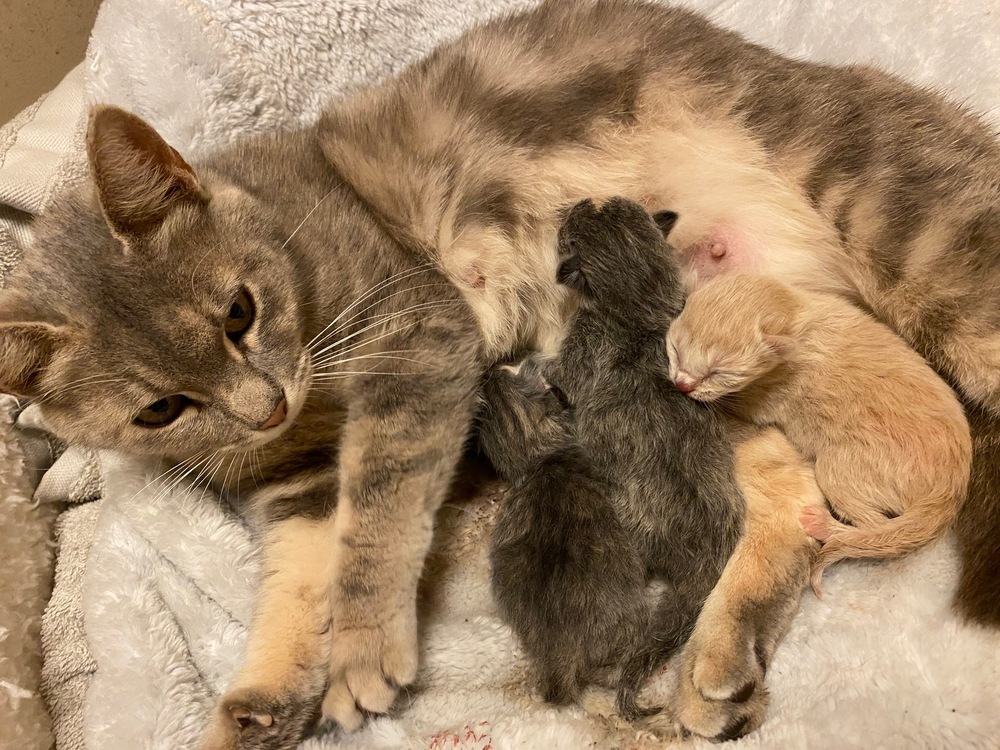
(277, 416)
(685, 383)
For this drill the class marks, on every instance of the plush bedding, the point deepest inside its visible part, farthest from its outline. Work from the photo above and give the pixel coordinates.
(154, 582)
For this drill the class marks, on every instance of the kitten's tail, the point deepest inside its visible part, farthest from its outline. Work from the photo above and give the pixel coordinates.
(921, 523)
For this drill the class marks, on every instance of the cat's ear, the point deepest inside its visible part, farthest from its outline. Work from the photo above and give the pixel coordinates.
(782, 346)
(665, 220)
(570, 273)
(139, 176)
(26, 350)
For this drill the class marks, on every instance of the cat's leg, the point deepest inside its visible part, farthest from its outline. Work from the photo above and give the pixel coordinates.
(959, 336)
(978, 524)
(971, 360)
(275, 695)
(721, 691)
(401, 445)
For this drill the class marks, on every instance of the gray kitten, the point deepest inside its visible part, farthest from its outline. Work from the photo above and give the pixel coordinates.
(617, 477)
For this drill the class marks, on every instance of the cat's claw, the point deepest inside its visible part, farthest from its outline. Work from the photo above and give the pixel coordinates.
(245, 717)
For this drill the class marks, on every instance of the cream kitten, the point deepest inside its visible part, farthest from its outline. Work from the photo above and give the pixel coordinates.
(889, 438)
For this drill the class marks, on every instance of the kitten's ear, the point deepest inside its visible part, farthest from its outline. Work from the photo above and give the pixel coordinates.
(139, 176)
(665, 220)
(780, 345)
(26, 349)
(570, 273)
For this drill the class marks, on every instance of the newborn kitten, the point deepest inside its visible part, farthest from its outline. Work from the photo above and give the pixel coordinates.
(629, 481)
(889, 438)
(566, 573)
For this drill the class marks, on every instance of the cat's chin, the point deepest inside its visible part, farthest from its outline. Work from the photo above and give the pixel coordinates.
(704, 396)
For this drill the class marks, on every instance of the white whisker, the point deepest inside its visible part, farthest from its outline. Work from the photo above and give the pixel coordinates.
(365, 309)
(306, 218)
(396, 277)
(423, 306)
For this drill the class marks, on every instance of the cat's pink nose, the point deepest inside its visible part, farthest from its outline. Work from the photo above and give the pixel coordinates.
(277, 416)
(685, 383)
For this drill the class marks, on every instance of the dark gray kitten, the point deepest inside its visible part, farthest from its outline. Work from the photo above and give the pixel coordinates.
(617, 476)
(566, 573)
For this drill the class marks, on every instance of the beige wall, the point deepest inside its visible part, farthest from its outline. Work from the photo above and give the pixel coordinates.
(40, 41)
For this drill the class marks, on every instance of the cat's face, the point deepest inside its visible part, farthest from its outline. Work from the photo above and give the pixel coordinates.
(708, 367)
(152, 319)
(730, 333)
(523, 416)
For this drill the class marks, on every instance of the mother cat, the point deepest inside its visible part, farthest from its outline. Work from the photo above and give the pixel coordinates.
(170, 312)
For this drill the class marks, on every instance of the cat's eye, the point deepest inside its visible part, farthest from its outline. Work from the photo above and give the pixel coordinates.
(163, 412)
(240, 316)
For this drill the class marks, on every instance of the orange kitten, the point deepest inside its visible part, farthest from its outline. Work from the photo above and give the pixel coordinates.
(889, 437)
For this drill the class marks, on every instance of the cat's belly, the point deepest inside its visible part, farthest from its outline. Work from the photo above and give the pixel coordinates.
(736, 214)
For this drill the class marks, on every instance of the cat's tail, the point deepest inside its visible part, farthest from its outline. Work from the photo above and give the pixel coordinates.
(923, 522)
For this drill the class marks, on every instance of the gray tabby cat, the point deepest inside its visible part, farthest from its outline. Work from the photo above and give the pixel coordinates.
(617, 476)
(130, 324)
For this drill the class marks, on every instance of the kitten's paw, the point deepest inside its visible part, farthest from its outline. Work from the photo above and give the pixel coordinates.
(367, 668)
(817, 522)
(721, 694)
(257, 719)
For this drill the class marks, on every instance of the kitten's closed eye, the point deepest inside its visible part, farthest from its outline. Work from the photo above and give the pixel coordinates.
(162, 412)
(241, 316)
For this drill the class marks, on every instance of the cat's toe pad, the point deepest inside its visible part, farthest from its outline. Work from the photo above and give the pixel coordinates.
(367, 668)
(721, 694)
(817, 522)
(721, 720)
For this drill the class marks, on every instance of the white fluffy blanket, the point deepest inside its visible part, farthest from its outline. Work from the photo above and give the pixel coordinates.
(168, 588)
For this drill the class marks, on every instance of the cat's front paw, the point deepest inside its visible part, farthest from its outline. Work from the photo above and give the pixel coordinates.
(258, 719)
(721, 693)
(368, 665)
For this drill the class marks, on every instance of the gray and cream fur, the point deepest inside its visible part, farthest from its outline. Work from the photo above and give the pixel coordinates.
(617, 476)
(458, 170)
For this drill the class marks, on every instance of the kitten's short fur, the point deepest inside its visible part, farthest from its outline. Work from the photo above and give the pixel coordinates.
(566, 574)
(889, 438)
(458, 171)
(628, 478)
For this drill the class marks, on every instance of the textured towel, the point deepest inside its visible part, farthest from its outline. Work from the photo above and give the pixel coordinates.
(168, 584)
(880, 662)
(25, 561)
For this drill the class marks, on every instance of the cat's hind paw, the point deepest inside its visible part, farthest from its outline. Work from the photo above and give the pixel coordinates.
(817, 522)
